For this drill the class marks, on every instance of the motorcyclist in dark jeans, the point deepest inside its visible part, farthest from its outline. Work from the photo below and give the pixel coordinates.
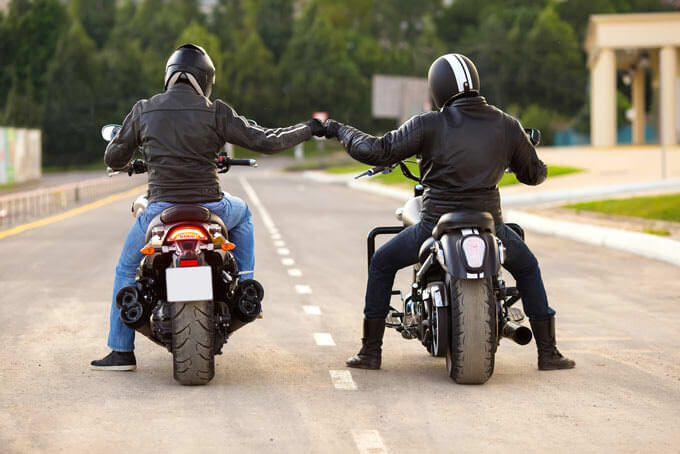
(464, 149)
(181, 133)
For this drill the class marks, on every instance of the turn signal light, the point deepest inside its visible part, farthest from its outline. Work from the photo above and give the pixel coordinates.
(227, 246)
(148, 250)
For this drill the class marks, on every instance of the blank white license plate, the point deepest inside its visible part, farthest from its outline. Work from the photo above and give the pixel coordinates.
(189, 284)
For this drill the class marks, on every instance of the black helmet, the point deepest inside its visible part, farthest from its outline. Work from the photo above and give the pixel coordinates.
(192, 62)
(452, 76)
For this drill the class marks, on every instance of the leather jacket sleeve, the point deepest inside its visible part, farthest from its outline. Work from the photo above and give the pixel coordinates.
(386, 150)
(240, 131)
(120, 150)
(524, 161)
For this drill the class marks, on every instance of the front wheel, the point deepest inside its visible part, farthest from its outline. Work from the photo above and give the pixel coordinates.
(193, 335)
(472, 348)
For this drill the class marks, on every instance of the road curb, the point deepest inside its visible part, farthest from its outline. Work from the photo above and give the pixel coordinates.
(646, 245)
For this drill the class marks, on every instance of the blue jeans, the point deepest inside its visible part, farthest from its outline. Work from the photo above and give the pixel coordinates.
(236, 216)
(402, 251)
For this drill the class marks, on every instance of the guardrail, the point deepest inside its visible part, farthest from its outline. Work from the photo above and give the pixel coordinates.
(29, 205)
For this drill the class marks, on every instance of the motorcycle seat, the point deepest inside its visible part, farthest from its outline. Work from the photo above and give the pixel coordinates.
(464, 219)
(185, 213)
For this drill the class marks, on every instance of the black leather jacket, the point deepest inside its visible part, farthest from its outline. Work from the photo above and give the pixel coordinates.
(464, 150)
(180, 133)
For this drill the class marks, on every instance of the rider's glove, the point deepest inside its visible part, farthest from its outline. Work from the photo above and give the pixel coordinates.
(332, 128)
(138, 166)
(317, 127)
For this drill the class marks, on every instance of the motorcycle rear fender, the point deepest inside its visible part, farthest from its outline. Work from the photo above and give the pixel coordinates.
(454, 257)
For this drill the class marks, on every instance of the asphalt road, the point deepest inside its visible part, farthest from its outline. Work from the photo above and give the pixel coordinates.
(275, 388)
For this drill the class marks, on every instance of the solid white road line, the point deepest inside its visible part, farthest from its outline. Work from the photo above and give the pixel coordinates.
(303, 289)
(287, 261)
(294, 272)
(264, 214)
(324, 339)
(312, 310)
(368, 442)
(283, 251)
(342, 379)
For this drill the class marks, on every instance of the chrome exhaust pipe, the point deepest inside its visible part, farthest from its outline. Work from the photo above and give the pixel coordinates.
(247, 305)
(518, 333)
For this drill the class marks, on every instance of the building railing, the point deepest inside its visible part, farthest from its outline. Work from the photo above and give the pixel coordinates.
(26, 206)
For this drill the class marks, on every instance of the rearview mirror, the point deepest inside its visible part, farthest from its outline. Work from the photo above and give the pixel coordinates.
(110, 131)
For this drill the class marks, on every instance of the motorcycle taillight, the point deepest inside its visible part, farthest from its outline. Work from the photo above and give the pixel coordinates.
(187, 232)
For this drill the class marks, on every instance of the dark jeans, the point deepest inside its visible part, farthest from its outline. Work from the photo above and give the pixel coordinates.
(402, 251)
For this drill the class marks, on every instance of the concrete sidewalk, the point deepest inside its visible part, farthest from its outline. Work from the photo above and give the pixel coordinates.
(609, 173)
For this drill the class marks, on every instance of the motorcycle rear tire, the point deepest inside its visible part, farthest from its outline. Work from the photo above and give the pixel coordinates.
(472, 348)
(193, 337)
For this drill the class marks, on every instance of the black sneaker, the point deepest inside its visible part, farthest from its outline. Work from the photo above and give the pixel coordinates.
(115, 361)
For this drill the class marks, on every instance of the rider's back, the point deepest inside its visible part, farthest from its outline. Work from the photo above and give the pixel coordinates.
(177, 130)
(466, 148)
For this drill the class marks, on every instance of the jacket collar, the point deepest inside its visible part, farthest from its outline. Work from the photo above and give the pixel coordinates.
(473, 101)
(180, 87)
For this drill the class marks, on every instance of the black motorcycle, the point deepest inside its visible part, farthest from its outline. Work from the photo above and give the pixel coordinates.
(188, 296)
(458, 306)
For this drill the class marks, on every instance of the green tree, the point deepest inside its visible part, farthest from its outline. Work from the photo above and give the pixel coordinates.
(553, 69)
(275, 24)
(72, 119)
(30, 33)
(318, 73)
(97, 17)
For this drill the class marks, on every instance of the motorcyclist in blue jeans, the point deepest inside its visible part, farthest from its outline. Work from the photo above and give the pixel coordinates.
(464, 149)
(180, 132)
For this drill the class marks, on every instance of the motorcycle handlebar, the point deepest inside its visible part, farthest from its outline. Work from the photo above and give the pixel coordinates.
(243, 162)
(371, 172)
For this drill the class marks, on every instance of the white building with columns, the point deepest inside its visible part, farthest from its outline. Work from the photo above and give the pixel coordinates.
(640, 45)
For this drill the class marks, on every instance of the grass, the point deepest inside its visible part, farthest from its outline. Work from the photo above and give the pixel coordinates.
(659, 232)
(397, 178)
(661, 207)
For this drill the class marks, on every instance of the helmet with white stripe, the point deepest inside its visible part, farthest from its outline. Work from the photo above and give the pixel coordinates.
(191, 64)
(452, 76)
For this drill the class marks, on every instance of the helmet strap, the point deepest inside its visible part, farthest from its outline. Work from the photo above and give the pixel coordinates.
(192, 81)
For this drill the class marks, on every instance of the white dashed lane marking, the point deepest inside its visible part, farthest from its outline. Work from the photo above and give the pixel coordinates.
(324, 339)
(288, 261)
(303, 289)
(283, 251)
(294, 272)
(312, 310)
(276, 236)
(280, 243)
(264, 214)
(368, 442)
(342, 379)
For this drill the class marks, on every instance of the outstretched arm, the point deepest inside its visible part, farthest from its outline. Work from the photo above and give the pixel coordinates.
(236, 129)
(123, 146)
(379, 151)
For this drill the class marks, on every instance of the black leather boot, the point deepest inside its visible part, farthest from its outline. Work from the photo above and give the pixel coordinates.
(369, 356)
(549, 357)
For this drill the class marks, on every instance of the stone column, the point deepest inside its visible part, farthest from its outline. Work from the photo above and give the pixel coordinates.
(603, 99)
(668, 73)
(638, 95)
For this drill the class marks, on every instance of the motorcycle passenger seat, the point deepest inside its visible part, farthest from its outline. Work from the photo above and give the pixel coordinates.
(464, 219)
(424, 252)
